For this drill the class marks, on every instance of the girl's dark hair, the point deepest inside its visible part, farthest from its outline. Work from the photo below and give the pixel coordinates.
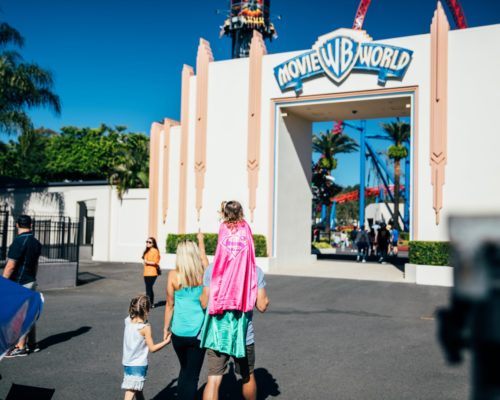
(139, 306)
(231, 212)
(153, 246)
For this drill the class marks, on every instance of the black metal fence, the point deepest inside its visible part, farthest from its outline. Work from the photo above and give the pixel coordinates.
(57, 234)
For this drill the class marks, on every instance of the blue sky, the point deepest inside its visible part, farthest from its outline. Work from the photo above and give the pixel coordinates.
(119, 61)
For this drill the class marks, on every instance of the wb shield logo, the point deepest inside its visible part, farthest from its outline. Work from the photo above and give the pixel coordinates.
(337, 56)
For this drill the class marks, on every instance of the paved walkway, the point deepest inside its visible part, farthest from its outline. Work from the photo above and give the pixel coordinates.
(370, 271)
(321, 339)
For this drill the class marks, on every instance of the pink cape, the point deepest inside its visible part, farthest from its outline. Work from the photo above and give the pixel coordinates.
(234, 277)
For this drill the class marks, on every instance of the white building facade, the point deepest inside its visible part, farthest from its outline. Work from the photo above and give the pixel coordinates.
(243, 137)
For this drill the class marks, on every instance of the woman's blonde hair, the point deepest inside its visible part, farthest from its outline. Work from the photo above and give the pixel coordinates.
(188, 264)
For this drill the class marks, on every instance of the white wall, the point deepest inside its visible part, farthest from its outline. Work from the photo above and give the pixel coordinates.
(120, 228)
(294, 200)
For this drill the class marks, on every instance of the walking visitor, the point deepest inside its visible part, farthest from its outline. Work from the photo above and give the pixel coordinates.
(151, 258)
(137, 343)
(184, 314)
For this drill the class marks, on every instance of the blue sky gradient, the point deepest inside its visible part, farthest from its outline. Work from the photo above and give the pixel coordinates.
(120, 62)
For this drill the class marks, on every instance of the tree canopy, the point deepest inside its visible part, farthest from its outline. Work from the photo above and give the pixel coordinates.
(76, 154)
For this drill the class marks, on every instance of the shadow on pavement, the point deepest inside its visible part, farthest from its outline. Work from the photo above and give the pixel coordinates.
(230, 388)
(18, 392)
(160, 303)
(170, 392)
(62, 337)
(87, 277)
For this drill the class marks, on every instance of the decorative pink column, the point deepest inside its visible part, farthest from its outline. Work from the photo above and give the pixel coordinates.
(167, 125)
(203, 60)
(257, 52)
(439, 105)
(154, 155)
(187, 73)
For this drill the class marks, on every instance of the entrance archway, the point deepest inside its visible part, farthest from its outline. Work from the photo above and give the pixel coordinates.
(292, 158)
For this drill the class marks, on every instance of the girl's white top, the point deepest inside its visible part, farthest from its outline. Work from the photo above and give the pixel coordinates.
(135, 349)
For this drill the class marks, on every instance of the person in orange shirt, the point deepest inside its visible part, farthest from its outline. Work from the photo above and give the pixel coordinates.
(151, 257)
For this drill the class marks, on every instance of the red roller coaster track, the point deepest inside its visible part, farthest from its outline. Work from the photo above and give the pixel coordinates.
(454, 6)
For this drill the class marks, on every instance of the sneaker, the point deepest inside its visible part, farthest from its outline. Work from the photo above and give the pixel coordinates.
(16, 352)
(35, 349)
(364, 260)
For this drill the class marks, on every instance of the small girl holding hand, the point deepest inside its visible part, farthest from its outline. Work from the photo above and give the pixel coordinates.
(137, 342)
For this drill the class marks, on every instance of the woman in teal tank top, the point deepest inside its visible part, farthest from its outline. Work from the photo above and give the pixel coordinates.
(184, 315)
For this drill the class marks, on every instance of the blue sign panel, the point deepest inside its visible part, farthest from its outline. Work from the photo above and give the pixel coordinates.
(340, 52)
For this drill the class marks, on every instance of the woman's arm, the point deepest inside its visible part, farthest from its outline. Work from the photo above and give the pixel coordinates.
(204, 297)
(169, 307)
(146, 332)
(201, 245)
(262, 300)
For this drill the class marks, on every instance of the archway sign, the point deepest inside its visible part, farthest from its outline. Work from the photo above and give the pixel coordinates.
(338, 53)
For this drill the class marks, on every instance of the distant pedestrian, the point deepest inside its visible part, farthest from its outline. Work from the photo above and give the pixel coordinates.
(362, 243)
(353, 235)
(151, 257)
(394, 241)
(22, 267)
(383, 239)
(373, 244)
(184, 315)
(137, 343)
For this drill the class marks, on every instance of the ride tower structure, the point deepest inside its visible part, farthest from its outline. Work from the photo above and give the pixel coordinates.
(245, 17)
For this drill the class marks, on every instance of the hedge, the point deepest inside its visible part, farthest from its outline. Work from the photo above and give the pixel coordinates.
(429, 253)
(321, 245)
(211, 243)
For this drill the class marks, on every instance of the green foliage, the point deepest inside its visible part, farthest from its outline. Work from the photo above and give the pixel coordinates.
(429, 253)
(397, 152)
(404, 235)
(76, 154)
(321, 245)
(22, 85)
(211, 243)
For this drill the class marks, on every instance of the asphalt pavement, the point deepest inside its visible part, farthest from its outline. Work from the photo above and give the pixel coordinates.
(320, 339)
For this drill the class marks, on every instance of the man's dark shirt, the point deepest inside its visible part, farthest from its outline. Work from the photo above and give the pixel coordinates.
(25, 251)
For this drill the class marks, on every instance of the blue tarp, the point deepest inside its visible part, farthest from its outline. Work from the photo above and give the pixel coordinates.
(19, 309)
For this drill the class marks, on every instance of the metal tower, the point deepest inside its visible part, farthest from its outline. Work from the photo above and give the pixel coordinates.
(244, 17)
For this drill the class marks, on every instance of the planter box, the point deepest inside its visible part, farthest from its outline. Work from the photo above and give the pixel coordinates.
(433, 275)
(328, 251)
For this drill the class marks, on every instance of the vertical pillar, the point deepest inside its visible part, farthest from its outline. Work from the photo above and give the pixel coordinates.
(187, 73)
(362, 174)
(439, 105)
(203, 60)
(154, 156)
(257, 52)
(407, 190)
(332, 215)
(167, 125)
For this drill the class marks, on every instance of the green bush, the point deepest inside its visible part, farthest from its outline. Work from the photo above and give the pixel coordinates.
(404, 235)
(429, 253)
(321, 245)
(211, 243)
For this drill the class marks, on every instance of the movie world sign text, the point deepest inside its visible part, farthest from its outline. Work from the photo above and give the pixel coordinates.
(340, 52)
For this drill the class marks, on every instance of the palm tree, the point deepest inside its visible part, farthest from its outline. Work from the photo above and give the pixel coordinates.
(22, 85)
(133, 170)
(399, 132)
(329, 145)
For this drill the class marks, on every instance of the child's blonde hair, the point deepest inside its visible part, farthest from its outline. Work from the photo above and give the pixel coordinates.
(231, 212)
(188, 264)
(139, 306)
